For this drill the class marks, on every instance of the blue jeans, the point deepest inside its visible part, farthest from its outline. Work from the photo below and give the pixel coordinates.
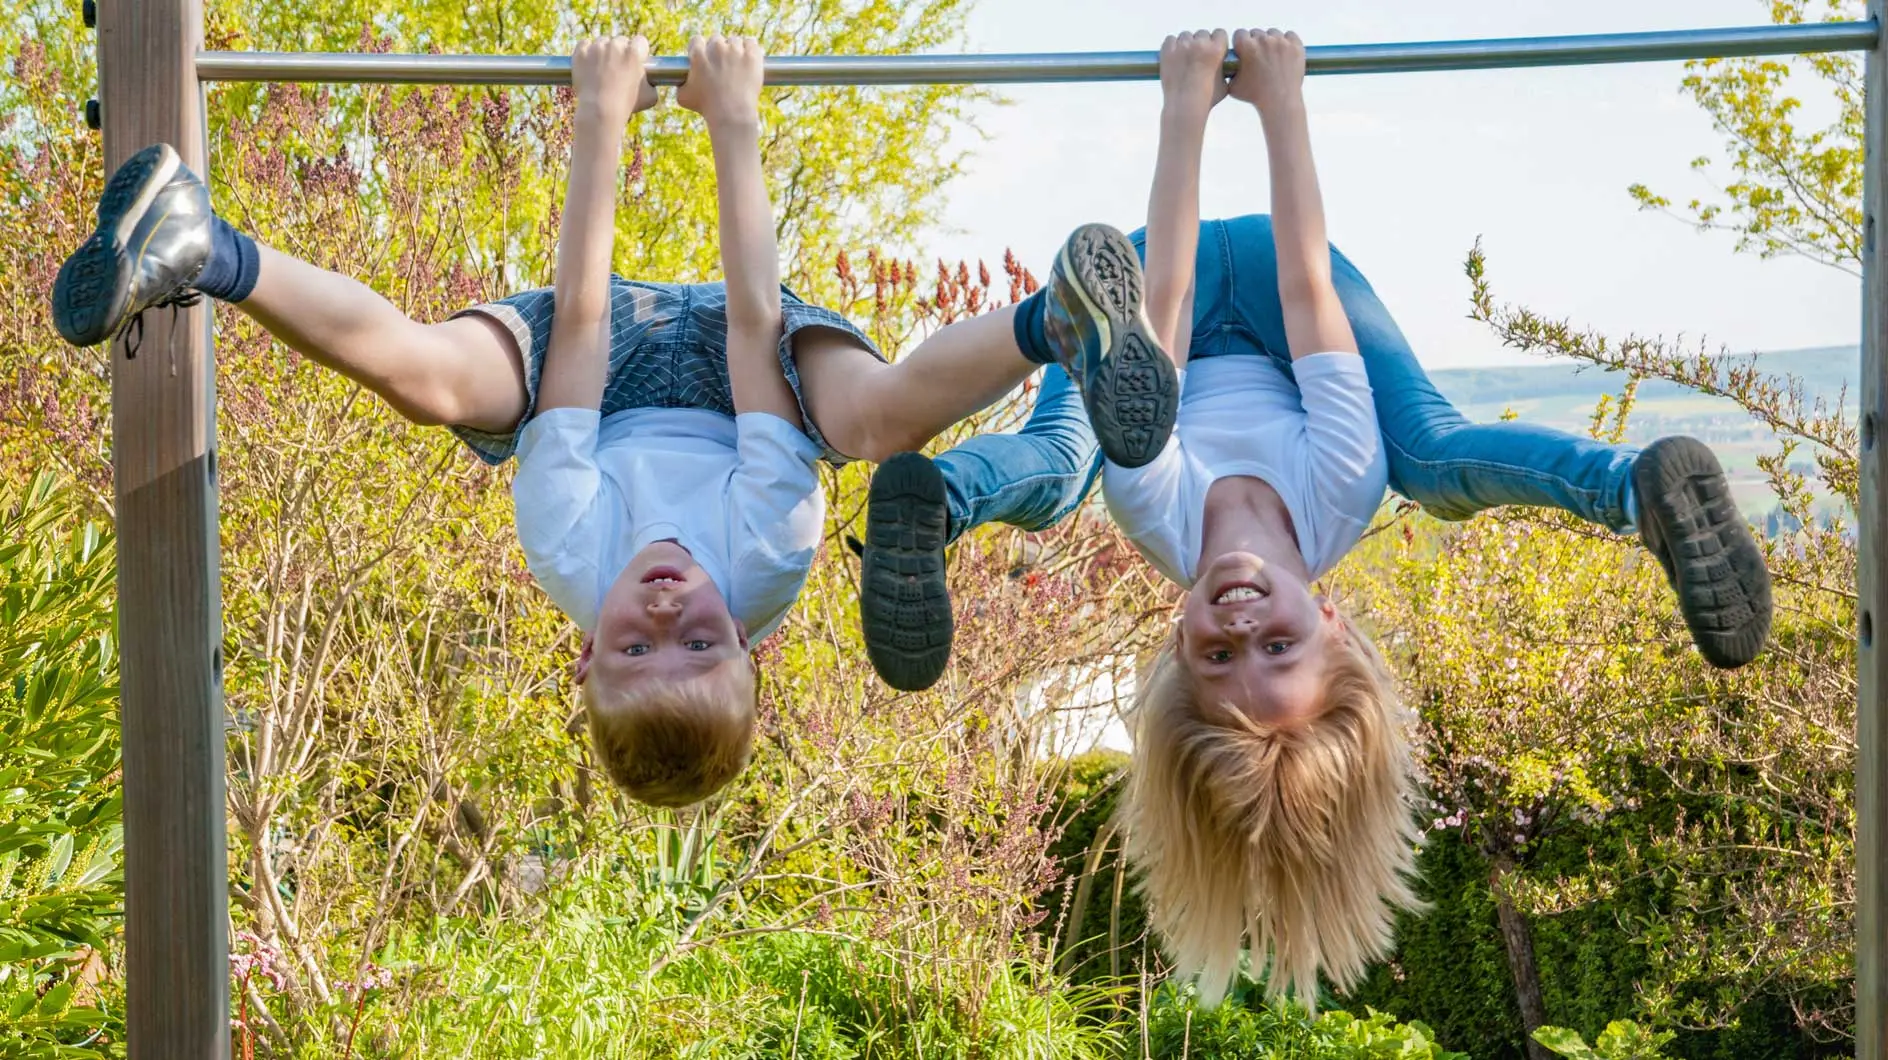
(1031, 478)
(1452, 467)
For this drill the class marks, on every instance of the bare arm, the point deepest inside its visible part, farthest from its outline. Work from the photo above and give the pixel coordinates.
(1191, 85)
(724, 79)
(1271, 76)
(608, 75)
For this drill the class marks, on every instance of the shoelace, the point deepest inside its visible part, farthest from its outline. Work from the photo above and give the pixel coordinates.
(134, 327)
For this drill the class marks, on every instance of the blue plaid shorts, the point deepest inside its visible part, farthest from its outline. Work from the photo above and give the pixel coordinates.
(668, 349)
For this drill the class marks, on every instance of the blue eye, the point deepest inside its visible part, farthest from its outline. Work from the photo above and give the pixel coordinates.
(1220, 656)
(1278, 647)
(639, 649)
(699, 645)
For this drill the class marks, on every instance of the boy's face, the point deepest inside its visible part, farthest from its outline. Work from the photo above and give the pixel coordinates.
(664, 619)
(1254, 636)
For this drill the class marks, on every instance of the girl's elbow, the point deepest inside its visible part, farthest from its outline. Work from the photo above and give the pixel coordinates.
(1310, 287)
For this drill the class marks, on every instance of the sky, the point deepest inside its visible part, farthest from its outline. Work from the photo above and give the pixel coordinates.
(1415, 167)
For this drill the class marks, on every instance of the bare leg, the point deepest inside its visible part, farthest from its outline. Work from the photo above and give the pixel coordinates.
(466, 372)
(871, 410)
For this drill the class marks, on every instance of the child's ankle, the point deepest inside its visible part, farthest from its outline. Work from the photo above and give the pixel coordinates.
(229, 275)
(1028, 325)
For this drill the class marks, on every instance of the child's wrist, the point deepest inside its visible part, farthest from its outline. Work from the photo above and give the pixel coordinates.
(601, 116)
(734, 123)
(1185, 114)
(1285, 107)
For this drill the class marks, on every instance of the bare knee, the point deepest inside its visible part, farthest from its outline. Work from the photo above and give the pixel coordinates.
(427, 407)
(873, 431)
(465, 372)
(853, 397)
(890, 439)
(420, 393)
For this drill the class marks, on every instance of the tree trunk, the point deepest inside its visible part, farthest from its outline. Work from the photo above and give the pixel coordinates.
(1521, 966)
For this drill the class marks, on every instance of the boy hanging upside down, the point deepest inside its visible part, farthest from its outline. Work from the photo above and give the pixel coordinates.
(1269, 802)
(667, 435)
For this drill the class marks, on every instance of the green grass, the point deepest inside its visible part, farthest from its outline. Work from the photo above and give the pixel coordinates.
(575, 980)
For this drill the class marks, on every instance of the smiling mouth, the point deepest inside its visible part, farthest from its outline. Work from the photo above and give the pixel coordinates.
(1238, 592)
(661, 576)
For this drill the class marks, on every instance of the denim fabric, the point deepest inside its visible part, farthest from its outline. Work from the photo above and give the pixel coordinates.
(668, 349)
(1452, 467)
(1031, 478)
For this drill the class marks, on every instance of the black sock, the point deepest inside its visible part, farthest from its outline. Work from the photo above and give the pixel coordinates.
(1030, 337)
(230, 273)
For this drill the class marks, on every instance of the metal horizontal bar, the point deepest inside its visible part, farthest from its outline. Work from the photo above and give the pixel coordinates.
(349, 67)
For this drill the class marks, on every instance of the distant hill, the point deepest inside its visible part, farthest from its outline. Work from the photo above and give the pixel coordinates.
(1564, 395)
(1823, 370)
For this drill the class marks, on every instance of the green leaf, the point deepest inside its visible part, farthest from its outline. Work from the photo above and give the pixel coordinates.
(53, 1002)
(61, 857)
(1566, 1043)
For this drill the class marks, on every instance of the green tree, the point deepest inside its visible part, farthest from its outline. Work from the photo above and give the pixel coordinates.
(1761, 857)
(849, 166)
(1783, 187)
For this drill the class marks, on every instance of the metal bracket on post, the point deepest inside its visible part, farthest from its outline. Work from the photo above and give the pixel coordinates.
(94, 120)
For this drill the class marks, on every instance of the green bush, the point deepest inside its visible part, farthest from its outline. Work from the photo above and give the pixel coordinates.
(1178, 1029)
(1621, 1040)
(1450, 969)
(61, 887)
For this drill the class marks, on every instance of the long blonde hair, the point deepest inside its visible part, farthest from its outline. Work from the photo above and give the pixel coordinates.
(1297, 840)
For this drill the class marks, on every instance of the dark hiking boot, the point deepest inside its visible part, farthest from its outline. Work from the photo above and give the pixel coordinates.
(904, 600)
(1688, 520)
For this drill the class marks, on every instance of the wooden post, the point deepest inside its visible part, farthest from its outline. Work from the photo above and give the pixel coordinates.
(169, 603)
(1871, 716)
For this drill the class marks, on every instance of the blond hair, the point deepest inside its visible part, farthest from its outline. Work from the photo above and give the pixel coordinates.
(674, 743)
(1298, 840)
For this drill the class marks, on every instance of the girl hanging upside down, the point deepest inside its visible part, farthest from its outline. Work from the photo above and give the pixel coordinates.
(667, 435)
(1270, 801)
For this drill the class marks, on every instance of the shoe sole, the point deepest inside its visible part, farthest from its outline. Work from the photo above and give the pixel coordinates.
(93, 288)
(1133, 395)
(904, 599)
(1713, 560)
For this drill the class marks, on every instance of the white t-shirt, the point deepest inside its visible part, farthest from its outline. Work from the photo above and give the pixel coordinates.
(1315, 442)
(740, 494)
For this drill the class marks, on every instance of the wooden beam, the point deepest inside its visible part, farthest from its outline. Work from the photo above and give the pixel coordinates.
(1871, 716)
(169, 603)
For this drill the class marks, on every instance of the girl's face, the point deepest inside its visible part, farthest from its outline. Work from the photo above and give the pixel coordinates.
(1255, 636)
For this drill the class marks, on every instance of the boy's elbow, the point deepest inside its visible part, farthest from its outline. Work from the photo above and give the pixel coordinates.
(762, 320)
(584, 308)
